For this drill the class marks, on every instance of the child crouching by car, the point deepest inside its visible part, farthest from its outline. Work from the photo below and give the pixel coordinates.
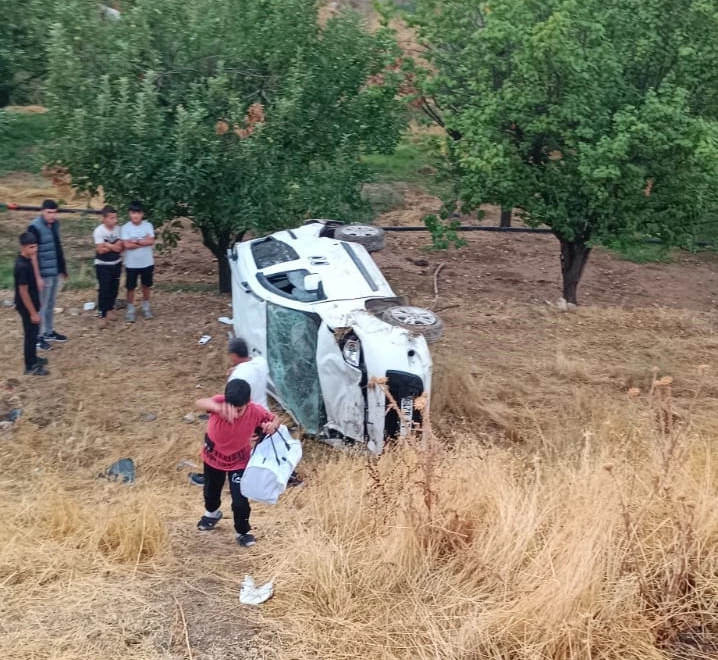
(227, 445)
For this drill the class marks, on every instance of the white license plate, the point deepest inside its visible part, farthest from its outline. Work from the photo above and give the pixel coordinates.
(407, 414)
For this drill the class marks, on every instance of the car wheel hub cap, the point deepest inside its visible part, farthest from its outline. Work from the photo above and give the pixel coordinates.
(360, 231)
(413, 316)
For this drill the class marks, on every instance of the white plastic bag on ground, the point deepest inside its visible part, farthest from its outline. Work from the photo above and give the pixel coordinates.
(251, 594)
(270, 466)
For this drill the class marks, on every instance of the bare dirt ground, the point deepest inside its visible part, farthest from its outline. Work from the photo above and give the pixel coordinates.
(525, 268)
(509, 364)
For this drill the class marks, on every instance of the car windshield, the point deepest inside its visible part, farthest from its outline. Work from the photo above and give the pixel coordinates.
(269, 252)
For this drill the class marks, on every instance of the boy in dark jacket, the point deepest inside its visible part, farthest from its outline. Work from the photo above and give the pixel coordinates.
(49, 266)
(27, 303)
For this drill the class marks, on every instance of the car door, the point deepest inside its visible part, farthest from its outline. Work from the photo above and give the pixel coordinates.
(248, 309)
(291, 355)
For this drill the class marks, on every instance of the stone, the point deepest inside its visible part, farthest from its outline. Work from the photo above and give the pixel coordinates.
(148, 417)
(188, 418)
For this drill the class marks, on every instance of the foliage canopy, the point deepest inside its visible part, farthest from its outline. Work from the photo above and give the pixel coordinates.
(242, 115)
(597, 118)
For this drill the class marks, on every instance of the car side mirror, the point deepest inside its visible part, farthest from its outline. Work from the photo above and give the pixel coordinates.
(312, 282)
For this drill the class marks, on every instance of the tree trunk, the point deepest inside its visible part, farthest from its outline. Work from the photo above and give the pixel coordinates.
(4, 95)
(505, 218)
(574, 256)
(224, 274)
(218, 246)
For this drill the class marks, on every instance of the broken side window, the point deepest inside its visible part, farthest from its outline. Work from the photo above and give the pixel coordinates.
(269, 252)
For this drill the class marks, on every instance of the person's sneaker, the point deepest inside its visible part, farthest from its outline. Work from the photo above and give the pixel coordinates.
(207, 523)
(55, 336)
(246, 540)
(130, 314)
(42, 344)
(196, 478)
(146, 311)
(42, 361)
(37, 370)
(294, 480)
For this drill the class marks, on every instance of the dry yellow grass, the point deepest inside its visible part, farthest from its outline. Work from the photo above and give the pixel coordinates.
(605, 554)
(569, 519)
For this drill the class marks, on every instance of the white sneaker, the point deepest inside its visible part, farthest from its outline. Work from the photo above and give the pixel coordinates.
(146, 311)
(130, 315)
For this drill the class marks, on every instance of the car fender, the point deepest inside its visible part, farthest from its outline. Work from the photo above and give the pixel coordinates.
(340, 383)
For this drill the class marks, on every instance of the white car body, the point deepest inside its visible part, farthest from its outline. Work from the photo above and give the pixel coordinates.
(303, 301)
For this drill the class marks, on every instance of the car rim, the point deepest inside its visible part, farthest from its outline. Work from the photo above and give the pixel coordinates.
(412, 316)
(360, 231)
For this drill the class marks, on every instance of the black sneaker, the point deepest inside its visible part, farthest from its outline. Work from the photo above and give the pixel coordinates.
(37, 370)
(42, 344)
(206, 523)
(55, 336)
(246, 540)
(41, 361)
(196, 478)
(294, 480)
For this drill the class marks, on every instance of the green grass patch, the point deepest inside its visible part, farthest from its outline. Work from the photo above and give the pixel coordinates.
(414, 161)
(22, 139)
(641, 253)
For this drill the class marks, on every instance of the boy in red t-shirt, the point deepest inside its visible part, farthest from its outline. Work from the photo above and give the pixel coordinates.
(227, 444)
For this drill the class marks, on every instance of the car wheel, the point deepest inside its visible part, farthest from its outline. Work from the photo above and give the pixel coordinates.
(372, 238)
(415, 319)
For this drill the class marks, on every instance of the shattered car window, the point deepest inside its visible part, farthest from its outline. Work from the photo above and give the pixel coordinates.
(292, 348)
(291, 285)
(269, 251)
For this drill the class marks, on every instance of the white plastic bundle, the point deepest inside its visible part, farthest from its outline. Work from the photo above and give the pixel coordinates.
(270, 466)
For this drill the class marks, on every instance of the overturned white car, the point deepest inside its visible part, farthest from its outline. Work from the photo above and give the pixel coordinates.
(339, 343)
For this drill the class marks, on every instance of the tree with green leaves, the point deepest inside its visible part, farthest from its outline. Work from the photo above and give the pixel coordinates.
(241, 115)
(23, 48)
(597, 118)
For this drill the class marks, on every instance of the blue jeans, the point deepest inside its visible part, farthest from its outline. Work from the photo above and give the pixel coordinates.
(47, 304)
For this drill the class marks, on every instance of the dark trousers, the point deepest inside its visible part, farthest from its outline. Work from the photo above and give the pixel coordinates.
(213, 484)
(108, 284)
(31, 331)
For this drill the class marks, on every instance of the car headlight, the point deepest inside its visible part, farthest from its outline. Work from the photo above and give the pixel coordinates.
(352, 352)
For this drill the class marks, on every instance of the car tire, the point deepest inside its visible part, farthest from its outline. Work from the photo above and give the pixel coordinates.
(372, 238)
(415, 319)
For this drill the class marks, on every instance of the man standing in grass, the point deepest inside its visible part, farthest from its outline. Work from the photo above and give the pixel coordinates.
(138, 237)
(108, 264)
(49, 266)
(27, 303)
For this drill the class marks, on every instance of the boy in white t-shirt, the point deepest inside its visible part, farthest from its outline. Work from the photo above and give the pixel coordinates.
(138, 237)
(108, 264)
(252, 369)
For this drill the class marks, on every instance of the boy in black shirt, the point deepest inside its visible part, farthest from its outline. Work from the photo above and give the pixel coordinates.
(27, 303)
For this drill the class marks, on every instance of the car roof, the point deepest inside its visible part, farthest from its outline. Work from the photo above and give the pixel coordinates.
(347, 270)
